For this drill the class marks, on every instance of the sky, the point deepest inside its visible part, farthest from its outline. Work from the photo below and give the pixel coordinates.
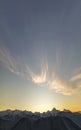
(40, 55)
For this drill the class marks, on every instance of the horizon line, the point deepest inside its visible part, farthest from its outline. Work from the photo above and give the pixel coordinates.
(38, 111)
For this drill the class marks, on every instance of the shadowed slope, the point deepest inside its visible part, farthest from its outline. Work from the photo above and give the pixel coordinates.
(7, 124)
(50, 123)
(55, 123)
(23, 124)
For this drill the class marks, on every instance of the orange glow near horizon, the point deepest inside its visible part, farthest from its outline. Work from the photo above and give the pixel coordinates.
(42, 108)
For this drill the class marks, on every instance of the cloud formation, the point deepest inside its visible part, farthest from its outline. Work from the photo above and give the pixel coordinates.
(62, 86)
(12, 64)
(8, 61)
(55, 83)
(39, 78)
(76, 77)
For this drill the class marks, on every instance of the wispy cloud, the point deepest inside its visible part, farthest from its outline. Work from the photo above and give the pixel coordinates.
(39, 78)
(76, 77)
(62, 86)
(54, 82)
(12, 64)
(8, 61)
(76, 74)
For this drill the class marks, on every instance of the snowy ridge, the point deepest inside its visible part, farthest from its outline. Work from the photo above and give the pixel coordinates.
(12, 117)
(18, 113)
(13, 114)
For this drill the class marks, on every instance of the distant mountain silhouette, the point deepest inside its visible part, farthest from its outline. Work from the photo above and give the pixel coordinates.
(49, 123)
(50, 120)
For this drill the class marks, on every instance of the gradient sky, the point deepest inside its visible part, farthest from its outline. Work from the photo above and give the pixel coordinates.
(40, 54)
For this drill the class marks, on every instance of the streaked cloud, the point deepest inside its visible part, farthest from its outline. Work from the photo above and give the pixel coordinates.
(44, 78)
(76, 74)
(76, 77)
(12, 64)
(62, 86)
(39, 78)
(8, 61)
(54, 82)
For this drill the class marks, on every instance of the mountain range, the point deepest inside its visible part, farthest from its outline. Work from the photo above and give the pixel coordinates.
(50, 120)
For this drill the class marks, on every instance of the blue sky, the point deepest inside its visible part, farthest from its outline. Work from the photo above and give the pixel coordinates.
(40, 54)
